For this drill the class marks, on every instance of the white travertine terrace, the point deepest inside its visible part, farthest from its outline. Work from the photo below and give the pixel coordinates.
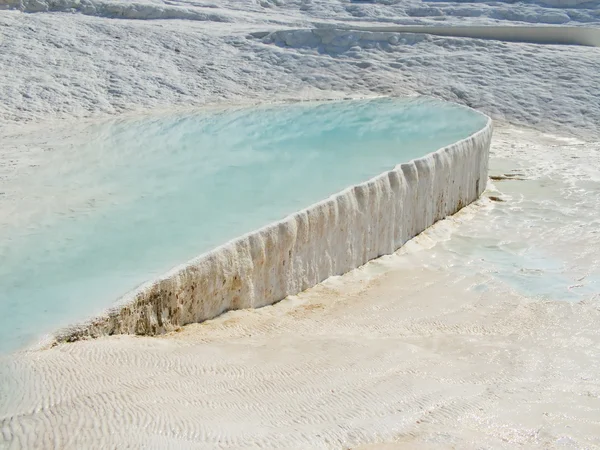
(328, 238)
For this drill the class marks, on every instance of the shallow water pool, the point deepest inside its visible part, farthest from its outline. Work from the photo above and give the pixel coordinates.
(105, 208)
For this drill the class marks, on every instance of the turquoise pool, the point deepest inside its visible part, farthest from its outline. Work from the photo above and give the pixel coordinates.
(121, 202)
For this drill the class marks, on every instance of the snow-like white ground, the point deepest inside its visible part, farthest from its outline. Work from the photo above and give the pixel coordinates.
(100, 58)
(493, 343)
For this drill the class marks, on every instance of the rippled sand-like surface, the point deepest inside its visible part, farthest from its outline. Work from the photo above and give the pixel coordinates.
(482, 332)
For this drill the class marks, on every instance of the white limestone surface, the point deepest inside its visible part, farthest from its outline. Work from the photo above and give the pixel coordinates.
(73, 65)
(329, 238)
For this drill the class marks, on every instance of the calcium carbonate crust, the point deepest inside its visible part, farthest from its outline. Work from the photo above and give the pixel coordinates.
(329, 238)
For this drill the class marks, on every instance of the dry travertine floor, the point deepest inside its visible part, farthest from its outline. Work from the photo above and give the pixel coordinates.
(480, 333)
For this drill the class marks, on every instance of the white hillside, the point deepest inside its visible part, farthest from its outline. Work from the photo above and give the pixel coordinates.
(91, 58)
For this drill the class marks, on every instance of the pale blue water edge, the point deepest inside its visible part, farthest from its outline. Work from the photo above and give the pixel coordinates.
(134, 198)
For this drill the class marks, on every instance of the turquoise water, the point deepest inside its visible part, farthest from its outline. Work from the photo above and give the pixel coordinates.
(119, 203)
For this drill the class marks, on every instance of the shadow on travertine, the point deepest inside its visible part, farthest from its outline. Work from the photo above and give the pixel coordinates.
(545, 35)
